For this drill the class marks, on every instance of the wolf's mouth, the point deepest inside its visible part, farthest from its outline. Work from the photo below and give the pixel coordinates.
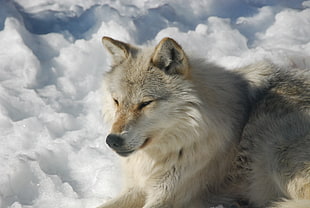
(146, 142)
(125, 154)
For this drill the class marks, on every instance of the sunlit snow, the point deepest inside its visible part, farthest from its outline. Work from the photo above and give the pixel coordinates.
(52, 138)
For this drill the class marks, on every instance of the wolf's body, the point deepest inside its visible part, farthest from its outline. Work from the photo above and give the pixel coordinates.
(195, 135)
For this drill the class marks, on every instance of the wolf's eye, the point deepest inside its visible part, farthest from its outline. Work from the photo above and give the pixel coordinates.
(144, 104)
(116, 101)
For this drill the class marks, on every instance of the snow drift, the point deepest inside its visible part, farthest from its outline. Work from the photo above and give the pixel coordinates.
(52, 138)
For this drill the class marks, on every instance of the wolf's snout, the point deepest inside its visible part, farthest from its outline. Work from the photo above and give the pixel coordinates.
(114, 141)
(117, 143)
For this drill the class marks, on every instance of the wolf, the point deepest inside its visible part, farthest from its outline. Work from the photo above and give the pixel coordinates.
(192, 134)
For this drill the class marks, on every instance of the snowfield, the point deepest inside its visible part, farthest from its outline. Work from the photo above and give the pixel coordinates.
(52, 138)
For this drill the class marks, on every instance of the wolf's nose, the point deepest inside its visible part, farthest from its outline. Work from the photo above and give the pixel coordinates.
(114, 141)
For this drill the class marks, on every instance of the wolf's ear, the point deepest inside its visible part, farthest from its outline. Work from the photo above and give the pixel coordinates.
(119, 50)
(170, 57)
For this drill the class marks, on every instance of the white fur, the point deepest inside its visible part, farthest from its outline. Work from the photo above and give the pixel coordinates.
(185, 143)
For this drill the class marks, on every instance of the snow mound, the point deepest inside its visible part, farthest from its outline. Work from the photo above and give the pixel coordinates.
(52, 137)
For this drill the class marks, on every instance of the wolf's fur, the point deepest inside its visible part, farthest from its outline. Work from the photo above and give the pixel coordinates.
(195, 135)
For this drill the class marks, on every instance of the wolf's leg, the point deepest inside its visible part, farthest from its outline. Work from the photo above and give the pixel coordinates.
(159, 199)
(299, 192)
(129, 199)
(160, 195)
(158, 205)
(292, 204)
(161, 192)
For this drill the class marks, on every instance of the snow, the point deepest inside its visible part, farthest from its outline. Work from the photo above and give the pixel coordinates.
(52, 137)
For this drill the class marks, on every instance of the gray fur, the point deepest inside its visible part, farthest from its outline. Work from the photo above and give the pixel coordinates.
(195, 135)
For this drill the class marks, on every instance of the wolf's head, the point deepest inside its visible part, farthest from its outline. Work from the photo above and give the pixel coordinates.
(148, 95)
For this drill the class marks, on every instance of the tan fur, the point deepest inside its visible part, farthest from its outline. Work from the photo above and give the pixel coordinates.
(194, 135)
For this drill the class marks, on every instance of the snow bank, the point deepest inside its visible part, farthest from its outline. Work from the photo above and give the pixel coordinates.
(52, 138)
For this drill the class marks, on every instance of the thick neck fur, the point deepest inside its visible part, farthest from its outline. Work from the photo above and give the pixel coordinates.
(213, 89)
